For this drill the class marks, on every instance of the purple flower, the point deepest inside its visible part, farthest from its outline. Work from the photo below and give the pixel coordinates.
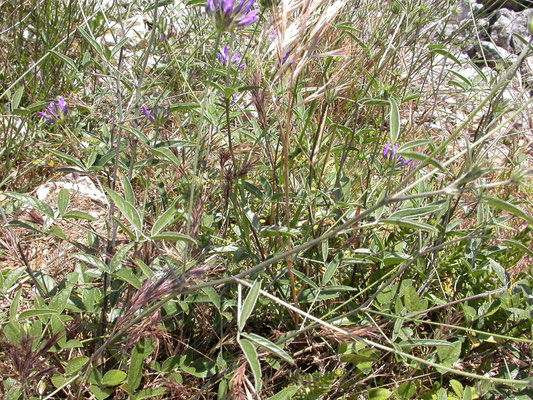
(224, 58)
(55, 112)
(225, 16)
(157, 115)
(391, 152)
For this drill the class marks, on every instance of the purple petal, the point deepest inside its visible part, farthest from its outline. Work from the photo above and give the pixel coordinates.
(285, 57)
(145, 111)
(227, 7)
(239, 7)
(168, 111)
(248, 6)
(386, 150)
(209, 7)
(235, 58)
(250, 18)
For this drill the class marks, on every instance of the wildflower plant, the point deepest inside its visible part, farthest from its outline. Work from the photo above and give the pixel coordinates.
(226, 16)
(156, 115)
(390, 152)
(218, 234)
(55, 112)
(236, 59)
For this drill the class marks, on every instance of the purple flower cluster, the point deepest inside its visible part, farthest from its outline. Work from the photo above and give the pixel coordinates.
(391, 152)
(157, 115)
(55, 112)
(237, 60)
(225, 16)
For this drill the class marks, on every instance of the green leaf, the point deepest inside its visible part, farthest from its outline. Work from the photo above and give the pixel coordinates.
(331, 269)
(36, 313)
(75, 365)
(59, 302)
(62, 201)
(253, 219)
(394, 121)
(128, 189)
(251, 356)
(411, 299)
(165, 219)
(127, 275)
(174, 236)
(101, 393)
(249, 304)
(457, 387)
(379, 394)
(14, 308)
(92, 260)
(422, 157)
(140, 353)
(15, 102)
(128, 210)
(213, 296)
(119, 256)
(32, 202)
(114, 377)
(66, 59)
(94, 44)
(79, 215)
(285, 394)
(504, 205)
(407, 223)
(167, 155)
(150, 393)
(267, 344)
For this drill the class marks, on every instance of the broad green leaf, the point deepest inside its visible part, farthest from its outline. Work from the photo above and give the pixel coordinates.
(379, 394)
(457, 387)
(119, 256)
(141, 352)
(163, 220)
(174, 236)
(94, 44)
(407, 223)
(15, 102)
(411, 299)
(114, 377)
(285, 394)
(36, 313)
(32, 202)
(251, 356)
(416, 212)
(127, 275)
(331, 269)
(128, 189)
(253, 219)
(75, 365)
(92, 260)
(127, 209)
(504, 205)
(59, 302)
(101, 393)
(267, 344)
(150, 393)
(167, 155)
(394, 121)
(59, 380)
(79, 215)
(213, 296)
(72, 344)
(249, 304)
(14, 308)
(66, 59)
